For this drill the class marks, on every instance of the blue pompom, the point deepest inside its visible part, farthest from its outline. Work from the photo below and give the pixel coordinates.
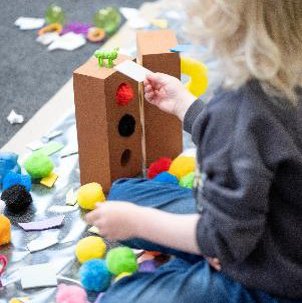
(8, 162)
(95, 276)
(166, 177)
(13, 178)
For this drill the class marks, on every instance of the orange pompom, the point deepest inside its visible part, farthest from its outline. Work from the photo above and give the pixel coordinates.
(159, 166)
(5, 230)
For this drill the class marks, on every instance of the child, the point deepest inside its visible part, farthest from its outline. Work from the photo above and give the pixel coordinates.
(249, 150)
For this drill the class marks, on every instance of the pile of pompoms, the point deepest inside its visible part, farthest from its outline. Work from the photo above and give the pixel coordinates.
(98, 268)
(180, 171)
(16, 187)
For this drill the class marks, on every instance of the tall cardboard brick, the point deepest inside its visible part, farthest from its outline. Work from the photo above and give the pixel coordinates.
(105, 155)
(163, 132)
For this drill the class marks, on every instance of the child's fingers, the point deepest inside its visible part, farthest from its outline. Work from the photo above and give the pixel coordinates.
(149, 96)
(156, 79)
(93, 216)
(148, 88)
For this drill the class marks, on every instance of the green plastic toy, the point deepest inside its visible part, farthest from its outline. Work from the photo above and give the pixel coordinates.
(110, 56)
(54, 14)
(108, 19)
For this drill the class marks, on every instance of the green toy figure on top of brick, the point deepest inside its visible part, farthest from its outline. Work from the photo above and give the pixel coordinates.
(109, 55)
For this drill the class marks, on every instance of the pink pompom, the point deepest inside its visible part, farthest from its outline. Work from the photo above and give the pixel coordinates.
(71, 294)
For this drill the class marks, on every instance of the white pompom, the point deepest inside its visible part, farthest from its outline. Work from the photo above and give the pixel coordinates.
(2, 206)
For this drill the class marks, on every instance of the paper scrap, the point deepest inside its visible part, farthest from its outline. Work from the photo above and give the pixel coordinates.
(135, 21)
(133, 70)
(50, 180)
(183, 48)
(44, 241)
(26, 23)
(14, 118)
(71, 198)
(52, 148)
(63, 208)
(44, 224)
(160, 23)
(52, 135)
(47, 38)
(138, 23)
(69, 153)
(2, 206)
(94, 230)
(40, 275)
(69, 41)
(129, 12)
(35, 145)
(20, 300)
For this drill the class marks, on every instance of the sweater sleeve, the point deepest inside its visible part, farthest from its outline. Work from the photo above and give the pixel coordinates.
(234, 197)
(191, 115)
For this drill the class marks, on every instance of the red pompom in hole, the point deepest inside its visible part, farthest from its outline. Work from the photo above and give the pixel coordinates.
(124, 94)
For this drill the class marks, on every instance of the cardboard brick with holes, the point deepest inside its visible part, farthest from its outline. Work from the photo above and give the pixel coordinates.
(120, 139)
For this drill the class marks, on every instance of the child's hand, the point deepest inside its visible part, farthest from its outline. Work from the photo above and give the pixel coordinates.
(168, 94)
(215, 263)
(115, 220)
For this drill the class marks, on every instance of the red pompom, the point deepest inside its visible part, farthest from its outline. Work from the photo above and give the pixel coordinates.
(159, 166)
(124, 94)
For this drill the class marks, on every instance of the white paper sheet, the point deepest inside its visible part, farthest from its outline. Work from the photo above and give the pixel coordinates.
(133, 70)
(47, 239)
(69, 41)
(40, 275)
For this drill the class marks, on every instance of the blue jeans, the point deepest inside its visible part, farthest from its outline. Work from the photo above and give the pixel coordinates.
(185, 279)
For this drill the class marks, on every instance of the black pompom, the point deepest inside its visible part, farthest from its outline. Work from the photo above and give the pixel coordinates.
(126, 126)
(16, 198)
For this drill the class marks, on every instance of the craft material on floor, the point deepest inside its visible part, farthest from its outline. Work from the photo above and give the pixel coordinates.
(44, 224)
(41, 275)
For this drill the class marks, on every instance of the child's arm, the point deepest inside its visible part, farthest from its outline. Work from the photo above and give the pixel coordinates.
(123, 220)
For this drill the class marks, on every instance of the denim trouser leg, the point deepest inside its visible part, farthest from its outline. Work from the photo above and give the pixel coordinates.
(167, 197)
(185, 279)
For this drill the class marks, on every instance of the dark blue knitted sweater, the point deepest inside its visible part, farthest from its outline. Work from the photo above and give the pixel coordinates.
(249, 150)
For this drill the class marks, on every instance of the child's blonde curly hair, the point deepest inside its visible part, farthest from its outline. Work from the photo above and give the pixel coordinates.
(259, 39)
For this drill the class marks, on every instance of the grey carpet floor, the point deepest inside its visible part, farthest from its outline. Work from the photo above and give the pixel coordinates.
(29, 74)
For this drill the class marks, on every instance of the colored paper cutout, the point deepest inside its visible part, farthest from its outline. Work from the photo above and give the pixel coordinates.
(50, 180)
(44, 224)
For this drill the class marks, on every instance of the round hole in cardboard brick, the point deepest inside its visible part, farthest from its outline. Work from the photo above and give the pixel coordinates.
(125, 158)
(126, 126)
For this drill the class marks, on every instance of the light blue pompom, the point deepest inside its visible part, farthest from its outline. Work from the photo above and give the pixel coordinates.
(95, 276)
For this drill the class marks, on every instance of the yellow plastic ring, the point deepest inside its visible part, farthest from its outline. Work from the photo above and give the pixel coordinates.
(198, 73)
(54, 27)
(95, 34)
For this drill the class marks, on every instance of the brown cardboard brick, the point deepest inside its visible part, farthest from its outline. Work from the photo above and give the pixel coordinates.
(163, 132)
(97, 118)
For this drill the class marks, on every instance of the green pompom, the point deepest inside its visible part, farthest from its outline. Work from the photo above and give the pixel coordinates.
(38, 165)
(187, 181)
(120, 260)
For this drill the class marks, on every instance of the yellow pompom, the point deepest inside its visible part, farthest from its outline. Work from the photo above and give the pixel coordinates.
(122, 275)
(5, 230)
(90, 194)
(90, 248)
(181, 166)
(197, 72)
